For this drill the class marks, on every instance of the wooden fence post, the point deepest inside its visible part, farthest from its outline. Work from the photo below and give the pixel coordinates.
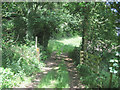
(37, 51)
(81, 57)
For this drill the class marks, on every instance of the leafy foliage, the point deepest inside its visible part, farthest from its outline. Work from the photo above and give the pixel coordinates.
(92, 80)
(19, 61)
(96, 22)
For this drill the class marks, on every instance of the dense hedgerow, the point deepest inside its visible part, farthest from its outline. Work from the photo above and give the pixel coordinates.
(19, 62)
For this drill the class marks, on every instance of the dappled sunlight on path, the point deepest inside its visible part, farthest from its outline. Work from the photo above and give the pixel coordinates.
(52, 65)
(74, 77)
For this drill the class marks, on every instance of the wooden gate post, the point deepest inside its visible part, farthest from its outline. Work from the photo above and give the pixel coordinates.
(37, 51)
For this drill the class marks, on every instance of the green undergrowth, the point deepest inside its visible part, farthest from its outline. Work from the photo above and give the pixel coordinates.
(19, 64)
(56, 78)
(92, 80)
(9, 79)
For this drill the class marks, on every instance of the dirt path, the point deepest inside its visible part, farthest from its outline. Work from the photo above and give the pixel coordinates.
(73, 74)
(51, 64)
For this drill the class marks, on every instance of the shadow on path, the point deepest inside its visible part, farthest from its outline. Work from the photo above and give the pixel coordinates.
(73, 74)
(52, 64)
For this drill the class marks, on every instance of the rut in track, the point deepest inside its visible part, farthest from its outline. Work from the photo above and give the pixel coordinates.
(73, 74)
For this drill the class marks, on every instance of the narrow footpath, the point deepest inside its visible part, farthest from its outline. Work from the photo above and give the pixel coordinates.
(73, 74)
(52, 64)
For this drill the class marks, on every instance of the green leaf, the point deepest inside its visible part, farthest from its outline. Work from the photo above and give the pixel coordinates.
(112, 60)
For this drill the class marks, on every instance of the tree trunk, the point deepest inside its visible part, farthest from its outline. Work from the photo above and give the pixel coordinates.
(119, 74)
(85, 29)
(119, 61)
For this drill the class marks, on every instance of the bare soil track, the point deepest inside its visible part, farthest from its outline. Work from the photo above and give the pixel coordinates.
(52, 63)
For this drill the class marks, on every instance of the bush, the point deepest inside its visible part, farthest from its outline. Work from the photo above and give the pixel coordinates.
(19, 61)
(105, 78)
(8, 79)
(75, 55)
(93, 80)
(84, 70)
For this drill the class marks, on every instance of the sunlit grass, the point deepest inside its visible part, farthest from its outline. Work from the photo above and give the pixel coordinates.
(75, 41)
(24, 82)
(56, 79)
(64, 45)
